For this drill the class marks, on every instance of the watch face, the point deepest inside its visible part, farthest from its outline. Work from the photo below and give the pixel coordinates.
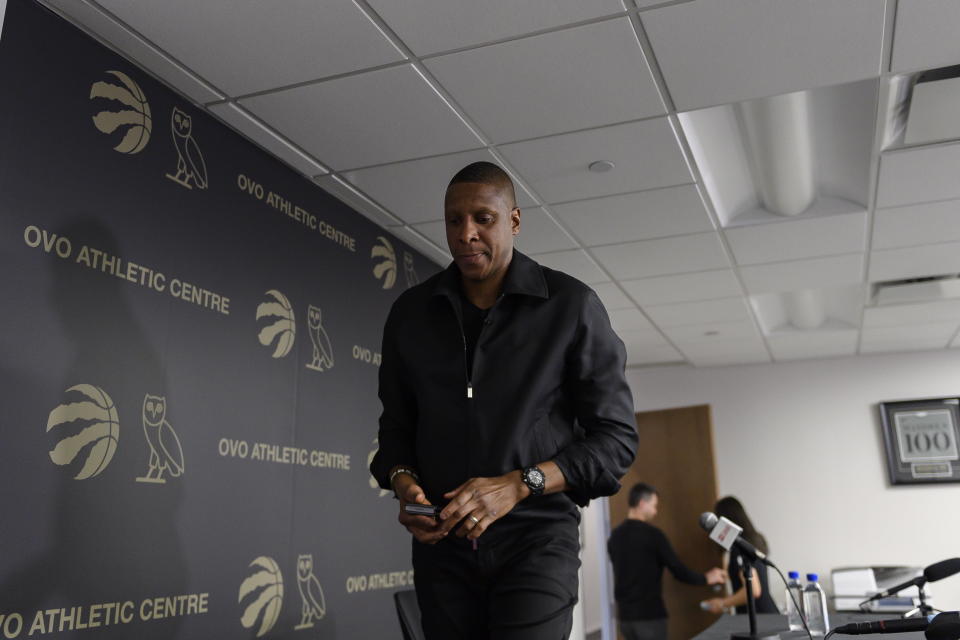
(534, 477)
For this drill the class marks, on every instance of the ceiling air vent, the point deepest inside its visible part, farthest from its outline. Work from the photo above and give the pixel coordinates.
(934, 107)
(914, 290)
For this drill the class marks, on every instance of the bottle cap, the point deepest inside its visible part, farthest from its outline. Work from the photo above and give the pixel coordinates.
(812, 577)
(793, 575)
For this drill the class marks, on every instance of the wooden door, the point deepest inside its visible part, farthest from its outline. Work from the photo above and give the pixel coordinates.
(675, 455)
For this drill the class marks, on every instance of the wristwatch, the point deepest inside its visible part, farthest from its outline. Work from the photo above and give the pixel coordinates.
(534, 479)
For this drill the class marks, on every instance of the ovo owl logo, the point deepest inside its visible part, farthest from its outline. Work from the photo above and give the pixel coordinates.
(313, 607)
(386, 268)
(263, 591)
(281, 326)
(88, 429)
(408, 269)
(134, 119)
(322, 351)
(166, 455)
(190, 164)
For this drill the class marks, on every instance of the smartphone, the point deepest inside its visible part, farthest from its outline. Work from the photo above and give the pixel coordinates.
(429, 510)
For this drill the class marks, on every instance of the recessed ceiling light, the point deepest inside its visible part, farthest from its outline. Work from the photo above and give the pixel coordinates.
(601, 166)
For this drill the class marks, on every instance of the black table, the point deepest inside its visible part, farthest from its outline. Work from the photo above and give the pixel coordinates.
(775, 623)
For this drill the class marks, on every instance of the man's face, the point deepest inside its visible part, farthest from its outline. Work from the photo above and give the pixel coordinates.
(650, 506)
(481, 222)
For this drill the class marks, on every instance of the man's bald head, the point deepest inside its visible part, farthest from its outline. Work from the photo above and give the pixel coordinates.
(490, 174)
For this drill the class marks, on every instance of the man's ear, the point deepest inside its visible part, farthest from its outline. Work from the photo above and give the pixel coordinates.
(515, 221)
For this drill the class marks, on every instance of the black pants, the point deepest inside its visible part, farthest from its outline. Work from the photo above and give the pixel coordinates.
(644, 629)
(522, 586)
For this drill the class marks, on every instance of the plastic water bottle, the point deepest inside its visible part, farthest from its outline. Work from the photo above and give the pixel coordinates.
(794, 602)
(815, 606)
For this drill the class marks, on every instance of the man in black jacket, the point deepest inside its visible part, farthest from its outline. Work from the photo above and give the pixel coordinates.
(639, 552)
(505, 402)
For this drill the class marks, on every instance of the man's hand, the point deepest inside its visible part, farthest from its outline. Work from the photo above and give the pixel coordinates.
(423, 528)
(479, 502)
(716, 575)
(715, 605)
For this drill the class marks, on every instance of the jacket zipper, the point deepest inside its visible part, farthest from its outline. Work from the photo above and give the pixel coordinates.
(463, 336)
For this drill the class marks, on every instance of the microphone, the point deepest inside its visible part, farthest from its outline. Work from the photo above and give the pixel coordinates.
(942, 569)
(726, 534)
(936, 571)
(944, 626)
(900, 625)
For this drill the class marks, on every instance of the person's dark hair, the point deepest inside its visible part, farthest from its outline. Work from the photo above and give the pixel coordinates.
(487, 173)
(731, 509)
(641, 491)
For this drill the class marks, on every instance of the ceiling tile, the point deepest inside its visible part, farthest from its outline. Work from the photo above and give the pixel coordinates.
(540, 234)
(372, 118)
(649, 355)
(590, 76)
(612, 297)
(647, 346)
(436, 232)
(642, 338)
(242, 46)
(912, 314)
(663, 256)
(682, 314)
(275, 144)
(139, 50)
(430, 26)
(711, 332)
(926, 35)
(346, 194)
(740, 351)
(629, 320)
(575, 263)
(657, 213)
(413, 190)
(922, 174)
(815, 273)
(794, 239)
(708, 51)
(916, 224)
(917, 337)
(686, 287)
(802, 345)
(646, 155)
(915, 262)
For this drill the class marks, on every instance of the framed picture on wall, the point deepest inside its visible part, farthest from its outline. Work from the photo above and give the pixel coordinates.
(921, 440)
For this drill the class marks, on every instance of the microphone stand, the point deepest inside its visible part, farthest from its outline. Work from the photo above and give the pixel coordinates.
(924, 609)
(751, 606)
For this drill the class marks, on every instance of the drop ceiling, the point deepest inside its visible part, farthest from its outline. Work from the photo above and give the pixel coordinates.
(381, 102)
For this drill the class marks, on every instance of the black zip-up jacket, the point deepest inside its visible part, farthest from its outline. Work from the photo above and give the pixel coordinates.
(547, 384)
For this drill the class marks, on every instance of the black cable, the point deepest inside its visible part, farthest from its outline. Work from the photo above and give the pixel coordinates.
(803, 618)
(828, 635)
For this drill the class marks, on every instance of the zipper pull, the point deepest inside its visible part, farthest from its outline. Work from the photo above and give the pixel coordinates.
(469, 390)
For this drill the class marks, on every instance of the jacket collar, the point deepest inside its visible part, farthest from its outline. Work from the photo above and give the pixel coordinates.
(524, 277)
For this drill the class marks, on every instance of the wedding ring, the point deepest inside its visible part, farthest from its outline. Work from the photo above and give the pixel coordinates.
(475, 519)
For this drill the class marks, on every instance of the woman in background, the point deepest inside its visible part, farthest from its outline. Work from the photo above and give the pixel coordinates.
(731, 509)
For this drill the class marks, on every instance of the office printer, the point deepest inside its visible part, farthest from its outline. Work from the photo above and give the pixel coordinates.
(853, 585)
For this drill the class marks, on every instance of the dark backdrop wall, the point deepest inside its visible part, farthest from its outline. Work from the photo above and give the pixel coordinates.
(188, 361)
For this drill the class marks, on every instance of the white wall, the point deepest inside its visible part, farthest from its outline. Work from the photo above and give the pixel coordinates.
(800, 445)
